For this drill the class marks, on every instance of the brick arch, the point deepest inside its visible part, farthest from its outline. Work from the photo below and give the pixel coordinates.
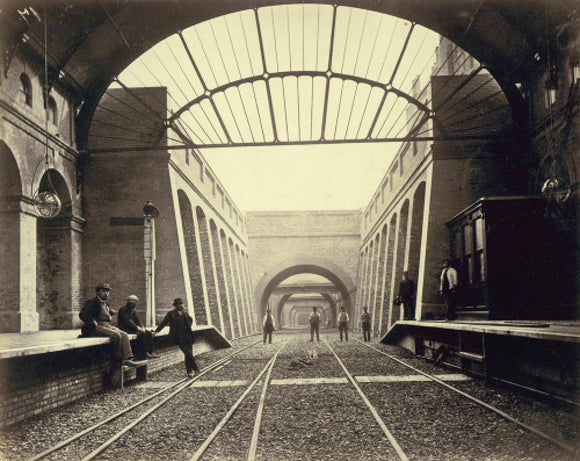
(222, 306)
(10, 192)
(193, 258)
(300, 265)
(207, 264)
(285, 297)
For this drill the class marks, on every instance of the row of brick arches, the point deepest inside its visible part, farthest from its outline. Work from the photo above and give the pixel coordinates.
(219, 280)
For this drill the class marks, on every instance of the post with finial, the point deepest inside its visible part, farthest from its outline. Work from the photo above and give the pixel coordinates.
(151, 212)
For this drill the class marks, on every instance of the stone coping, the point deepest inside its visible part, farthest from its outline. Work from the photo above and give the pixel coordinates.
(43, 342)
(566, 331)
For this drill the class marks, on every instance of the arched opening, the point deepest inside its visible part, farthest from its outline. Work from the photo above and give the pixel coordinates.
(54, 260)
(389, 289)
(340, 288)
(193, 258)
(230, 298)
(416, 236)
(222, 307)
(208, 272)
(239, 317)
(26, 89)
(10, 194)
(377, 307)
(401, 247)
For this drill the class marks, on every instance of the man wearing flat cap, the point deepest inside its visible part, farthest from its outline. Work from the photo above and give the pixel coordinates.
(128, 320)
(180, 333)
(96, 315)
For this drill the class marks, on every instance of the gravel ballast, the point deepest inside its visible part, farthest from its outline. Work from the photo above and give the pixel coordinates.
(303, 419)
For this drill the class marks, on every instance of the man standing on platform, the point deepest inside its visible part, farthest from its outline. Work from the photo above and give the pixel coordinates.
(180, 333)
(127, 320)
(342, 321)
(407, 296)
(96, 315)
(268, 325)
(314, 324)
(447, 288)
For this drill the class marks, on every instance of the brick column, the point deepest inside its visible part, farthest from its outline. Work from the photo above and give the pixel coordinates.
(29, 318)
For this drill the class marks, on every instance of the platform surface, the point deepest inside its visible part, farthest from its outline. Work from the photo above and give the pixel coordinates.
(554, 330)
(42, 342)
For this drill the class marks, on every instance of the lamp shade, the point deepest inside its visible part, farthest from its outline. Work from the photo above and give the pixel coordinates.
(150, 210)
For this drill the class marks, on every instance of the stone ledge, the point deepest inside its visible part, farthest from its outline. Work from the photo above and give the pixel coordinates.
(43, 342)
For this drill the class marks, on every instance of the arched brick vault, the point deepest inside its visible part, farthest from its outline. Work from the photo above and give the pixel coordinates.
(505, 35)
(299, 265)
(284, 299)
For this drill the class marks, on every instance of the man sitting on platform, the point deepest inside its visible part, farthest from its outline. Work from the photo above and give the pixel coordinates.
(96, 315)
(128, 320)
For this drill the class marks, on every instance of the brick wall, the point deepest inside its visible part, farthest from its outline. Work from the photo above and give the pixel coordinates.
(31, 385)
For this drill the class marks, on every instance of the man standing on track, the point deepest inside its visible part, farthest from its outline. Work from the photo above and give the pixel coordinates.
(342, 321)
(314, 323)
(365, 320)
(180, 333)
(268, 325)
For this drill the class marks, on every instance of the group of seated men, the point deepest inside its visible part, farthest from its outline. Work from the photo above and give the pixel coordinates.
(97, 316)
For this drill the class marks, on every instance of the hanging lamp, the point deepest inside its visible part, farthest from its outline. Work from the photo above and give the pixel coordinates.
(556, 188)
(47, 203)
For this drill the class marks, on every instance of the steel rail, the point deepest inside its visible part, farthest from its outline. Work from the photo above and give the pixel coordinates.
(205, 445)
(258, 420)
(68, 441)
(504, 415)
(371, 407)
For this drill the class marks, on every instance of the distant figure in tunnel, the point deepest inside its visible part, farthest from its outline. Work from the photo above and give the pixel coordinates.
(365, 320)
(180, 333)
(268, 325)
(407, 296)
(448, 287)
(314, 323)
(342, 321)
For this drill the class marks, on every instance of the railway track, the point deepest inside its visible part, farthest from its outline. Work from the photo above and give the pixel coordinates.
(367, 413)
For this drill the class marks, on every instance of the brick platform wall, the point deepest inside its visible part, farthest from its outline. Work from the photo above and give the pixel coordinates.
(31, 385)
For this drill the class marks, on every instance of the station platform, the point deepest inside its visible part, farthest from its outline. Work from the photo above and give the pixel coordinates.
(44, 370)
(43, 342)
(542, 356)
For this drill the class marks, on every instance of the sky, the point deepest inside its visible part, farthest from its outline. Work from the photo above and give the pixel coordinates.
(306, 177)
(296, 38)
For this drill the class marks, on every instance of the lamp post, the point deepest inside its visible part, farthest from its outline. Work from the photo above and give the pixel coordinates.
(151, 212)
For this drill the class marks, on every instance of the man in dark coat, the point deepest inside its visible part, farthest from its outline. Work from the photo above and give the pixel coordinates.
(365, 320)
(96, 315)
(407, 296)
(180, 333)
(128, 320)
(268, 325)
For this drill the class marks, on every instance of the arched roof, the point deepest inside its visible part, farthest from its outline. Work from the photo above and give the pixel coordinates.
(91, 42)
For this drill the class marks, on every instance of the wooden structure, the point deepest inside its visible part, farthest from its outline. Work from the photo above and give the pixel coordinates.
(515, 259)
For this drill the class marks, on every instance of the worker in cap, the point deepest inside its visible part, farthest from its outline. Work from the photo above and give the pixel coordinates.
(129, 321)
(268, 325)
(96, 315)
(180, 333)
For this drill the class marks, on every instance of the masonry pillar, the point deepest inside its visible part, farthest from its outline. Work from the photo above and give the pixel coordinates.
(29, 318)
